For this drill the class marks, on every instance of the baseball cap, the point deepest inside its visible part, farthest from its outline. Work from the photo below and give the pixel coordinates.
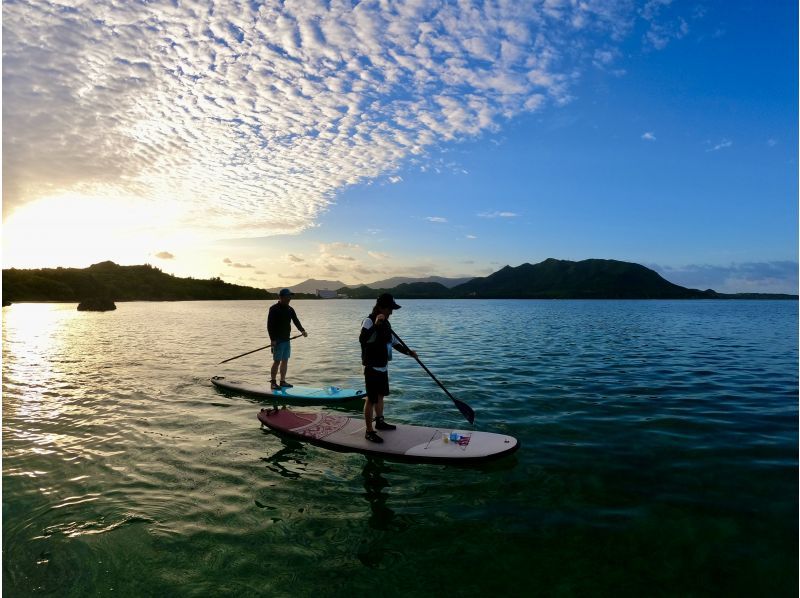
(386, 300)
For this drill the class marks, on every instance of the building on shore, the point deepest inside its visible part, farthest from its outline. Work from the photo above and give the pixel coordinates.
(325, 294)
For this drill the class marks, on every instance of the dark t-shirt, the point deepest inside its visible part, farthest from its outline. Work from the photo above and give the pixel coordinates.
(279, 322)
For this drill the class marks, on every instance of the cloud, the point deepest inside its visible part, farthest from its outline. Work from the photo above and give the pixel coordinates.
(648, 136)
(725, 143)
(337, 245)
(395, 179)
(498, 215)
(233, 264)
(165, 255)
(471, 237)
(747, 277)
(246, 118)
(294, 258)
(437, 219)
(663, 25)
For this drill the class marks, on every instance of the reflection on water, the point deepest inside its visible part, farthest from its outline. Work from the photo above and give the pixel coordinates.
(374, 485)
(658, 450)
(287, 462)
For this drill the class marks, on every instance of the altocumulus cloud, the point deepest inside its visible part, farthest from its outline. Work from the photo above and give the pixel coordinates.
(250, 116)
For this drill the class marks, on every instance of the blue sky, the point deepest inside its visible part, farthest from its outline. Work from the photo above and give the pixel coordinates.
(268, 143)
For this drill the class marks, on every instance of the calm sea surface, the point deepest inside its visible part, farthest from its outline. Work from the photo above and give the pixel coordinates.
(659, 453)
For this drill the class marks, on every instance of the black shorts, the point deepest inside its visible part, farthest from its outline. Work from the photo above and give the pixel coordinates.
(377, 384)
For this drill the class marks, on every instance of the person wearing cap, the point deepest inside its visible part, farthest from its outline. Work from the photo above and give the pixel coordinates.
(377, 341)
(279, 320)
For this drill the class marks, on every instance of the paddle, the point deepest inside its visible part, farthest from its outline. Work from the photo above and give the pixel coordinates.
(465, 409)
(254, 350)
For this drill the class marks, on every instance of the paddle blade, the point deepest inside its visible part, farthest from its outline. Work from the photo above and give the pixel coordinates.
(465, 410)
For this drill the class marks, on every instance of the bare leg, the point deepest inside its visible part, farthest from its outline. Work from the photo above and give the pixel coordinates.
(274, 369)
(368, 412)
(368, 415)
(284, 365)
(379, 407)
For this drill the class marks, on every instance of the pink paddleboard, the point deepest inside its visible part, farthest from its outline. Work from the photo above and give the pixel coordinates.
(408, 443)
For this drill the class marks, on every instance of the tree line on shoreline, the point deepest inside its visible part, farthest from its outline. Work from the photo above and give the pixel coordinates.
(550, 279)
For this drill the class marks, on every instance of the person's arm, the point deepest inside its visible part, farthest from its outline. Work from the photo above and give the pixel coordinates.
(271, 323)
(297, 323)
(366, 332)
(396, 344)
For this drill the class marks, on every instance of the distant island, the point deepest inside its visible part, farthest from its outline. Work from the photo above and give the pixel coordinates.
(550, 279)
(560, 279)
(108, 280)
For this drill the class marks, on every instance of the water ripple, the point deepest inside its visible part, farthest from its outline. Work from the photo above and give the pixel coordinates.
(665, 429)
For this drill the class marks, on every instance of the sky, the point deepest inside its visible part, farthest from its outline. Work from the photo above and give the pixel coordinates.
(268, 142)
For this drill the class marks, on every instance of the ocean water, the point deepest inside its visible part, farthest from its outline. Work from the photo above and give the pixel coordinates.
(659, 453)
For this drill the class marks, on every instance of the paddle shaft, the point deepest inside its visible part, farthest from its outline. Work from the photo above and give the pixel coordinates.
(259, 349)
(465, 409)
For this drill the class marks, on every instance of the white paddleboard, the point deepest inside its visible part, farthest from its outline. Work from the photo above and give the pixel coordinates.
(407, 443)
(305, 394)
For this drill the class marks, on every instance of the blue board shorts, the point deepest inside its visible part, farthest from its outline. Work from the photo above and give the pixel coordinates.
(282, 351)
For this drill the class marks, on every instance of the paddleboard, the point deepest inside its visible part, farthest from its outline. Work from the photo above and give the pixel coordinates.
(406, 443)
(306, 394)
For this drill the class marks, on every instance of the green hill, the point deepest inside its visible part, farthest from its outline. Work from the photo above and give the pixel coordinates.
(559, 279)
(587, 279)
(118, 283)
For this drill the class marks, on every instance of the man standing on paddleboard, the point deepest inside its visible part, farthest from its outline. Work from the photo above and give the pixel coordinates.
(279, 320)
(377, 341)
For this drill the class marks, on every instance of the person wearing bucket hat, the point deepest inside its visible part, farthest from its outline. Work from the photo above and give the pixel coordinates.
(377, 341)
(279, 320)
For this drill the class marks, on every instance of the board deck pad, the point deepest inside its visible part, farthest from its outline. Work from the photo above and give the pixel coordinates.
(408, 443)
(308, 394)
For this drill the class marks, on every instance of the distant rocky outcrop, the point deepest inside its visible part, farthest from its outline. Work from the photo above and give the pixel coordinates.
(97, 304)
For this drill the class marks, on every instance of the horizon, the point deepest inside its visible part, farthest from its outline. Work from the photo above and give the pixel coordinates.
(464, 279)
(278, 142)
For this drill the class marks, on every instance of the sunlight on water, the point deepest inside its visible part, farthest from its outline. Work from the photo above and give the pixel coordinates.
(659, 435)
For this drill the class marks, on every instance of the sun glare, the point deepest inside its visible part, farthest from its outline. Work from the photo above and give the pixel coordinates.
(77, 231)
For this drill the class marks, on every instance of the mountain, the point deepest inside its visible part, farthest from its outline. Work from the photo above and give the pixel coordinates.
(108, 280)
(558, 279)
(312, 285)
(587, 279)
(412, 290)
(550, 279)
(398, 280)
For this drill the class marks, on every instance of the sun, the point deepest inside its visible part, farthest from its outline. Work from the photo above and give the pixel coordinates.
(74, 230)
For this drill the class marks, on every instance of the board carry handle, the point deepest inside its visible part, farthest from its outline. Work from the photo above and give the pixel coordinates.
(259, 349)
(465, 409)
